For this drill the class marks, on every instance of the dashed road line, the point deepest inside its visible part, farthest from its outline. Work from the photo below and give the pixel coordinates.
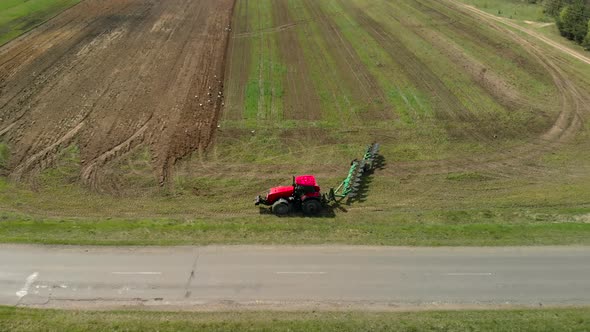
(299, 272)
(137, 273)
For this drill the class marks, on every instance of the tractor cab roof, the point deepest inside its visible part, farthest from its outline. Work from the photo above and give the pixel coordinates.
(305, 180)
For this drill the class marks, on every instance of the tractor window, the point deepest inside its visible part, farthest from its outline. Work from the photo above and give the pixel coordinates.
(306, 189)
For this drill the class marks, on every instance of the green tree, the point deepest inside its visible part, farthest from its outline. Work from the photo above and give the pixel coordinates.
(586, 42)
(554, 7)
(573, 21)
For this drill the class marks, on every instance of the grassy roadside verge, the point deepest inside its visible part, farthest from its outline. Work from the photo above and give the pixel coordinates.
(19, 319)
(20, 16)
(379, 230)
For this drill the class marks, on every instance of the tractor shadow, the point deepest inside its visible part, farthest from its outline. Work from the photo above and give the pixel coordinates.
(329, 211)
(368, 178)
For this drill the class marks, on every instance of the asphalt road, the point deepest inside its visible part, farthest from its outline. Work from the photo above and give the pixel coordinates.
(258, 276)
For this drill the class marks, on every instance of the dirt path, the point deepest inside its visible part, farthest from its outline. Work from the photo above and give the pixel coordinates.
(111, 76)
(530, 32)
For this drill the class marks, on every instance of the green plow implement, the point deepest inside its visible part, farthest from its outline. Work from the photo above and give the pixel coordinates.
(349, 188)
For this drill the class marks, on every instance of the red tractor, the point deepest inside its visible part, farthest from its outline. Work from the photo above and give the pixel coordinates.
(304, 194)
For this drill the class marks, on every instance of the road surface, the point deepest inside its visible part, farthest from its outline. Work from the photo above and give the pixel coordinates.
(286, 277)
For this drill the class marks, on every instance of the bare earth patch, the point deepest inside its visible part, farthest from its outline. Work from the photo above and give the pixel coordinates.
(112, 76)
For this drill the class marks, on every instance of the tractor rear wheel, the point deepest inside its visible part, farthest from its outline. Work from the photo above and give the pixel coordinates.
(312, 207)
(281, 208)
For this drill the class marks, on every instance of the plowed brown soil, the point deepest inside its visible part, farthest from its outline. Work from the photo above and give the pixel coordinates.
(113, 75)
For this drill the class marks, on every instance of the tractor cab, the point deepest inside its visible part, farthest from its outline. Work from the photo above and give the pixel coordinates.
(307, 186)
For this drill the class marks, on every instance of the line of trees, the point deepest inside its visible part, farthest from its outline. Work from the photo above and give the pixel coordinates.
(572, 18)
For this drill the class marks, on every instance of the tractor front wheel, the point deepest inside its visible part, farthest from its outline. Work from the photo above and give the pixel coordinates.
(281, 208)
(312, 207)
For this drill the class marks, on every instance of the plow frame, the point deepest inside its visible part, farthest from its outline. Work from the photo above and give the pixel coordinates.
(350, 186)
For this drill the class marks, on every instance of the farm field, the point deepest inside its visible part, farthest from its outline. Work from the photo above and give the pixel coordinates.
(143, 122)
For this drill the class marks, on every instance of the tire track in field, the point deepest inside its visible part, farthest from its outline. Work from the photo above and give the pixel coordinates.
(89, 172)
(46, 154)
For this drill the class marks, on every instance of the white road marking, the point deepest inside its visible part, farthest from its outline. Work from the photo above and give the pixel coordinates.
(300, 272)
(28, 282)
(469, 274)
(123, 290)
(137, 273)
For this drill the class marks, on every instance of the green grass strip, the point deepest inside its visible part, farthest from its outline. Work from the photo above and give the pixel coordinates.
(289, 231)
(563, 320)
